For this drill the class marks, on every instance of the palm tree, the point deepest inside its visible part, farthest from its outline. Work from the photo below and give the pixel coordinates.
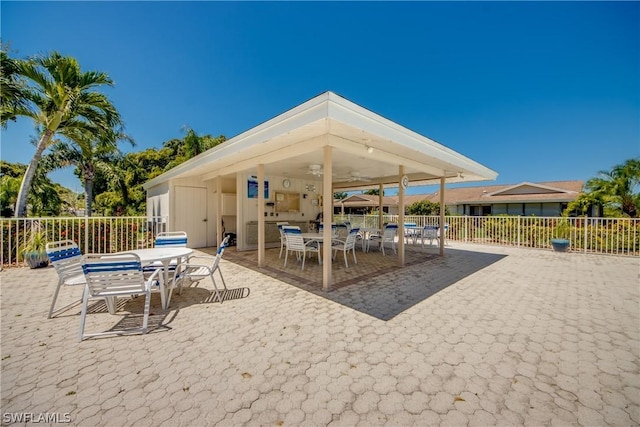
(14, 95)
(62, 102)
(89, 152)
(618, 187)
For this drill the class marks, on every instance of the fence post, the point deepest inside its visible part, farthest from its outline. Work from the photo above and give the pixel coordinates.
(466, 228)
(585, 235)
(518, 231)
(86, 234)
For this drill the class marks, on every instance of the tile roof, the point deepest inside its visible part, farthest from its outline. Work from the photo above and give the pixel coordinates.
(357, 200)
(557, 191)
(541, 191)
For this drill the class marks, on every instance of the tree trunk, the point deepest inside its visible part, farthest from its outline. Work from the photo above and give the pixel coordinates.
(629, 207)
(25, 187)
(88, 202)
(88, 175)
(125, 193)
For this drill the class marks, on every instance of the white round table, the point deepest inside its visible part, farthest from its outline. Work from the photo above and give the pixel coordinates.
(163, 255)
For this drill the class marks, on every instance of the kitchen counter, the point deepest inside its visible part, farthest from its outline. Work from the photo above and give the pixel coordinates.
(271, 232)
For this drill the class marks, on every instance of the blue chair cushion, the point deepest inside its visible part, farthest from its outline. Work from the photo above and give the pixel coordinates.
(166, 242)
(64, 254)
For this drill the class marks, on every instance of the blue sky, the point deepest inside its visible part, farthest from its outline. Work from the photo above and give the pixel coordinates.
(537, 91)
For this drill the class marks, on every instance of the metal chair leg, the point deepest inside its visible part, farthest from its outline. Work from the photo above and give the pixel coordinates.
(55, 298)
(83, 314)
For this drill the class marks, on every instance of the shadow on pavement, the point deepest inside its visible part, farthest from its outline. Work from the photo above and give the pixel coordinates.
(381, 289)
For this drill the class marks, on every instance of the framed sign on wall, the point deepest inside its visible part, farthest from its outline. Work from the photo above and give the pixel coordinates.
(252, 187)
(287, 202)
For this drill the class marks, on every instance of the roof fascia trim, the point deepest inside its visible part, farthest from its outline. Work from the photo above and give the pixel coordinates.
(306, 113)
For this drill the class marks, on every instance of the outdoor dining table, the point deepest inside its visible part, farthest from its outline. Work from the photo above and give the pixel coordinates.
(367, 232)
(317, 237)
(164, 255)
(413, 232)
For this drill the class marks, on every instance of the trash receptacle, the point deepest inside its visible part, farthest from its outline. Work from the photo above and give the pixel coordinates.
(232, 238)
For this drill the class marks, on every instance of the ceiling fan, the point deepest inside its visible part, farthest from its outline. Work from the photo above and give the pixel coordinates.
(315, 170)
(355, 176)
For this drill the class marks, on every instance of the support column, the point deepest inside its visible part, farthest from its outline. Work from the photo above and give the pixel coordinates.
(442, 236)
(380, 205)
(401, 231)
(327, 217)
(261, 211)
(219, 226)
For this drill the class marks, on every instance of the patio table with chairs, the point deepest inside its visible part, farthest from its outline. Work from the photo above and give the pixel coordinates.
(131, 273)
(429, 232)
(388, 234)
(69, 263)
(366, 233)
(318, 239)
(167, 259)
(295, 241)
(411, 232)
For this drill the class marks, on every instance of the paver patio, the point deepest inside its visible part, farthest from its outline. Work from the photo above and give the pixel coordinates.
(484, 336)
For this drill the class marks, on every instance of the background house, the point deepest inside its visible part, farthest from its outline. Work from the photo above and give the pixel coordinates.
(526, 198)
(360, 204)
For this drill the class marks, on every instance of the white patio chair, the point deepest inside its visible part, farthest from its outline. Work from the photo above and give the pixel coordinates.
(66, 257)
(177, 239)
(296, 243)
(111, 276)
(291, 227)
(432, 232)
(199, 267)
(446, 229)
(429, 232)
(167, 239)
(347, 245)
(389, 235)
(410, 232)
(283, 239)
(334, 228)
(342, 231)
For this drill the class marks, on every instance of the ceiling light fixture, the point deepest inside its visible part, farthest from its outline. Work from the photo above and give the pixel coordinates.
(315, 170)
(366, 142)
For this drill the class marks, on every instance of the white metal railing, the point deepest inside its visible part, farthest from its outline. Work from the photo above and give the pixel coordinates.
(93, 234)
(614, 236)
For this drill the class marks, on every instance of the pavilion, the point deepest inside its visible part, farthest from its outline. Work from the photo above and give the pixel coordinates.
(284, 168)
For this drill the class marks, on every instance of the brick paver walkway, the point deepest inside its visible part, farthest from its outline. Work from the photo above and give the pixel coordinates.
(483, 336)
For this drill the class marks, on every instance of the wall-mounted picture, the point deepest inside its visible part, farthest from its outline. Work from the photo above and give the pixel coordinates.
(252, 187)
